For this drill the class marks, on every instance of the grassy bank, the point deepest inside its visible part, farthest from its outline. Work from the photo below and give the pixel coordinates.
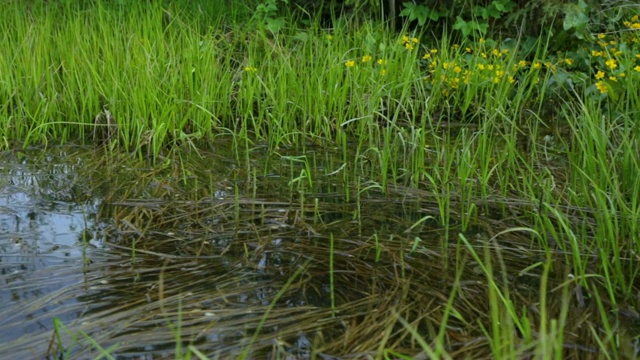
(498, 134)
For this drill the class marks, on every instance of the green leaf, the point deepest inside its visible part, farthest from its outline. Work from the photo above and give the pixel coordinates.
(480, 11)
(577, 18)
(483, 28)
(493, 12)
(301, 36)
(467, 27)
(419, 12)
(460, 24)
(274, 25)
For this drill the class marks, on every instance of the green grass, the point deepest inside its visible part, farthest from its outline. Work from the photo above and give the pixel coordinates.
(497, 134)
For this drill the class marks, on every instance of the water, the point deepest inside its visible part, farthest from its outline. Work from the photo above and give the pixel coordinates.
(250, 254)
(123, 251)
(45, 240)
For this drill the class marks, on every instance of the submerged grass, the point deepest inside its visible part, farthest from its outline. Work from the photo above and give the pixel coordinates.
(522, 172)
(236, 268)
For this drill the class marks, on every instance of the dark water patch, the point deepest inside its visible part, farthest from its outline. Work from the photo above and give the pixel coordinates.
(47, 236)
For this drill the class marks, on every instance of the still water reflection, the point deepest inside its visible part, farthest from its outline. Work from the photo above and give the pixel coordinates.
(46, 236)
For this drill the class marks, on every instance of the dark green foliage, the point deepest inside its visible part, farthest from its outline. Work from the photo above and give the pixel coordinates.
(568, 22)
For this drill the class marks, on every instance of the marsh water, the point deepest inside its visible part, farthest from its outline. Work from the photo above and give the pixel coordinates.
(269, 256)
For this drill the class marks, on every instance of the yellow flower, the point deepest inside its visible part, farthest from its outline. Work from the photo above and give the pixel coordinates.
(602, 87)
(635, 25)
(537, 65)
(350, 63)
(409, 42)
(434, 51)
(601, 36)
(568, 61)
(481, 41)
(611, 64)
(457, 69)
(382, 62)
(637, 68)
(613, 78)
(366, 58)
(445, 65)
(468, 49)
(250, 69)
(522, 63)
(596, 53)
(622, 74)
(550, 66)
(635, 18)
(329, 37)
(495, 52)
(383, 72)
(481, 66)
(599, 75)
(427, 56)
(490, 67)
(511, 80)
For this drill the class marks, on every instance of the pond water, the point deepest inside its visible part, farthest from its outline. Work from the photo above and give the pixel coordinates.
(259, 256)
(41, 229)
(125, 251)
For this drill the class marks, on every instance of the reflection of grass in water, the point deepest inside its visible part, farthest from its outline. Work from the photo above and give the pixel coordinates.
(498, 291)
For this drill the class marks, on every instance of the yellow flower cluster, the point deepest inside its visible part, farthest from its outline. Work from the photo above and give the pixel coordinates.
(409, 42)
(489, 67)
(488, 64)
(634, 24)
(611, 61)
(429, 54)
(367, 59)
